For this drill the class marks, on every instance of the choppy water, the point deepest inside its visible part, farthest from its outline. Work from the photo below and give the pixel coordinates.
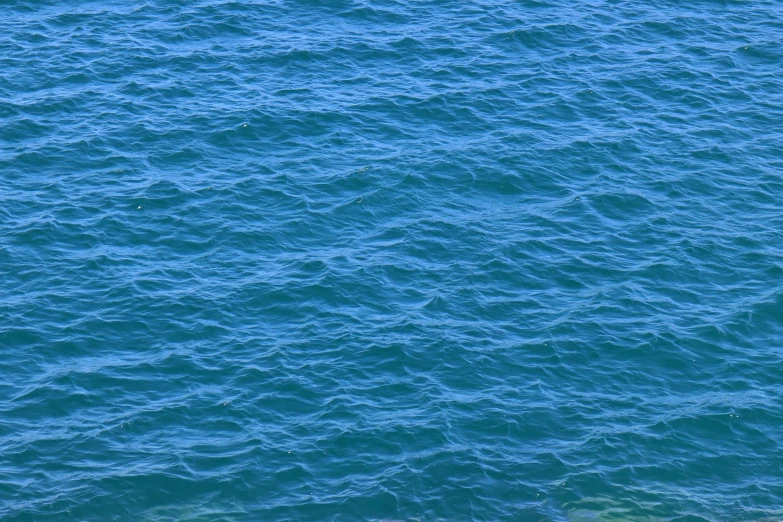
(350, 260)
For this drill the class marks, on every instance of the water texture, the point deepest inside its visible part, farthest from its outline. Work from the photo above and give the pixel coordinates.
(355, 260)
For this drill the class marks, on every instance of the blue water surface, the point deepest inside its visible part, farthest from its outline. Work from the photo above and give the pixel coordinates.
(377, 259)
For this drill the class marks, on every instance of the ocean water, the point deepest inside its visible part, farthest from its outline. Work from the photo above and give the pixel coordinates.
(385, 260)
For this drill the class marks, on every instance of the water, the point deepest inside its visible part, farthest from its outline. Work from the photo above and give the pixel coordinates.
(360, 260)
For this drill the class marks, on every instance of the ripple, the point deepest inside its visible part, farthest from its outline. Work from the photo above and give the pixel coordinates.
(391, 261)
